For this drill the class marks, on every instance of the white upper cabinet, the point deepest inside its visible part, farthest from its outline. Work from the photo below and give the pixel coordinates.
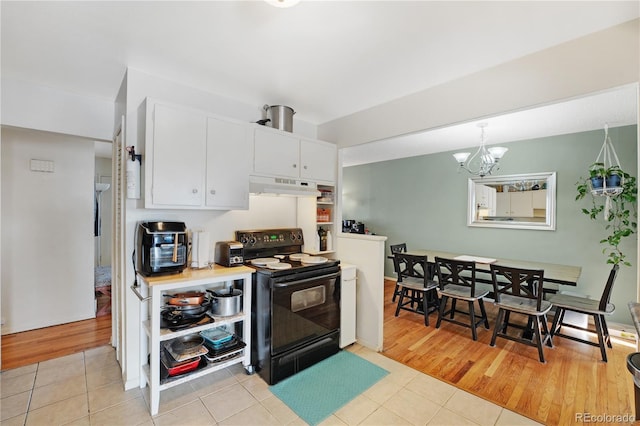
(503, 204)
(514, 204)
(539, 199)
(521, 205)
(175, 155)
(195, 160)
(276, 153)
(486, 199)
(318, 160)
(228, 164)
(283, 154)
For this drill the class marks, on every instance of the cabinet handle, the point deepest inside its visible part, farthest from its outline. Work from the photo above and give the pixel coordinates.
(295, 165)
(305, 167)
(212, 192)
(195, 191)
(137, 293)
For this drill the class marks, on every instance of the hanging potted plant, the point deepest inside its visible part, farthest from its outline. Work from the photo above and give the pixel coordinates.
(613, 177)
(615, 197)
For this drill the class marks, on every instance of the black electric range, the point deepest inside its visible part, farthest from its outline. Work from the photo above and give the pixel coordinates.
(295, 315)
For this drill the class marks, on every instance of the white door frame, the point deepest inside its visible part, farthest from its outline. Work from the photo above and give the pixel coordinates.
(118, 242)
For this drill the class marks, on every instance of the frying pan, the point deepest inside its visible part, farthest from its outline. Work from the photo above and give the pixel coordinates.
(186, 344)
(187, 298)
(192, 310)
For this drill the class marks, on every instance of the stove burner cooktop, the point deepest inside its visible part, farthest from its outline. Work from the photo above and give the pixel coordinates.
(279, 251)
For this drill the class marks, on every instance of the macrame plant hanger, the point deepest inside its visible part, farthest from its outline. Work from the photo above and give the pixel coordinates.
(607, 156)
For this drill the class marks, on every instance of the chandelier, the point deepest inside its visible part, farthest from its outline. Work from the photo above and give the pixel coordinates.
(484, 161)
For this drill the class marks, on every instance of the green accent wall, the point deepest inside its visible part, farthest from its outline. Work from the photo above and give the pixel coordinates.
(423, 201)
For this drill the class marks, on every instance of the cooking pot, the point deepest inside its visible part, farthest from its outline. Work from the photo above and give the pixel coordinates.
(226, 303)
(281, 117)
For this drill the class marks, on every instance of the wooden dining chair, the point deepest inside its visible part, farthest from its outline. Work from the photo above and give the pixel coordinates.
(397, 248)
(417, 289)
(457, 281)
(596, 308)
(519, 291)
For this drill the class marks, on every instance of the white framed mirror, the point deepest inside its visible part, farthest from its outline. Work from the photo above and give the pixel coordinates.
(526, 201)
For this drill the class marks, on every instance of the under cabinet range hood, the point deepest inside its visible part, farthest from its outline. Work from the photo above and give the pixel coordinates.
(282, 186)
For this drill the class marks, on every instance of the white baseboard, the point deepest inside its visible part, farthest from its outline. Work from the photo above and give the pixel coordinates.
(623, 331)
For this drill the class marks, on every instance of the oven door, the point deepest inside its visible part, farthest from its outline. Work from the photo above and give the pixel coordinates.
(304, 310)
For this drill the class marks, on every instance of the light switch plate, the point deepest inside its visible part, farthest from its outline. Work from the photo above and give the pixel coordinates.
(46, 166)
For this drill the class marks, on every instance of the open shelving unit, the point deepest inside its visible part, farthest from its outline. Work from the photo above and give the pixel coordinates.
(316, 213)
(151, 293)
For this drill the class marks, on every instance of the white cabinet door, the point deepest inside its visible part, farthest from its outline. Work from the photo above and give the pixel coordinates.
(491, 200)
(275, 153)
(348, 305)
(228, 164)
(178, 155)
(539, 199)
(521, 205)
(483, 196)
(503, 204)
(318, 160)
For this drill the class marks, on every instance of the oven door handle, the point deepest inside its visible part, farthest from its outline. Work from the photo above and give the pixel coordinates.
(304, 281)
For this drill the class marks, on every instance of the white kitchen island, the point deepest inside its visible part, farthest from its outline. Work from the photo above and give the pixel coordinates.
(153, 289)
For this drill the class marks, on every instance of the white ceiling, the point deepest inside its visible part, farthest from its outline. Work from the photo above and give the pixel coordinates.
(325, 59)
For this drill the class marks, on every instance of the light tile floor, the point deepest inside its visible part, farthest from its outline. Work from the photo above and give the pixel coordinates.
(87, 389)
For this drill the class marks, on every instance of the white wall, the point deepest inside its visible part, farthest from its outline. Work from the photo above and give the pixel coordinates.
(32, 106)
(47, 274)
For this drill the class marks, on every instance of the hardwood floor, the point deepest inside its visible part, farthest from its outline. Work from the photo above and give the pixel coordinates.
(572, 381)
(33, 346)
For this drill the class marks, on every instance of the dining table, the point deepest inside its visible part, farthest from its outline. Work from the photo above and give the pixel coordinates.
(554, 274)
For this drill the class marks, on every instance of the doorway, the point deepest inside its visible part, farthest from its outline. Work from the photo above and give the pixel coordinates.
(103, 228)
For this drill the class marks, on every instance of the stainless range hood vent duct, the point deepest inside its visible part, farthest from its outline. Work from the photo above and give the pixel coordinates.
(282, 186)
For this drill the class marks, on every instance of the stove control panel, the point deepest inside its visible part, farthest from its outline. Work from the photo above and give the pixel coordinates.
(266, 238)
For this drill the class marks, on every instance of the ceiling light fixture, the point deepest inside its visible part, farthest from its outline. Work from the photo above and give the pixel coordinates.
(283, 3)
(484, 161)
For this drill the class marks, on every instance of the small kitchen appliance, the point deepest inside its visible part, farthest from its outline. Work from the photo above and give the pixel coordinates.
(350, 226)
(229, 253)
(161, 248)
(200, 249)
(295, 303)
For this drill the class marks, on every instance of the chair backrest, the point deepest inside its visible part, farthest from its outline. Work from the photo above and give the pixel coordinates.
(398, 248)
(459, 272)
(519, 282)
(606, 294)
(411, 266)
